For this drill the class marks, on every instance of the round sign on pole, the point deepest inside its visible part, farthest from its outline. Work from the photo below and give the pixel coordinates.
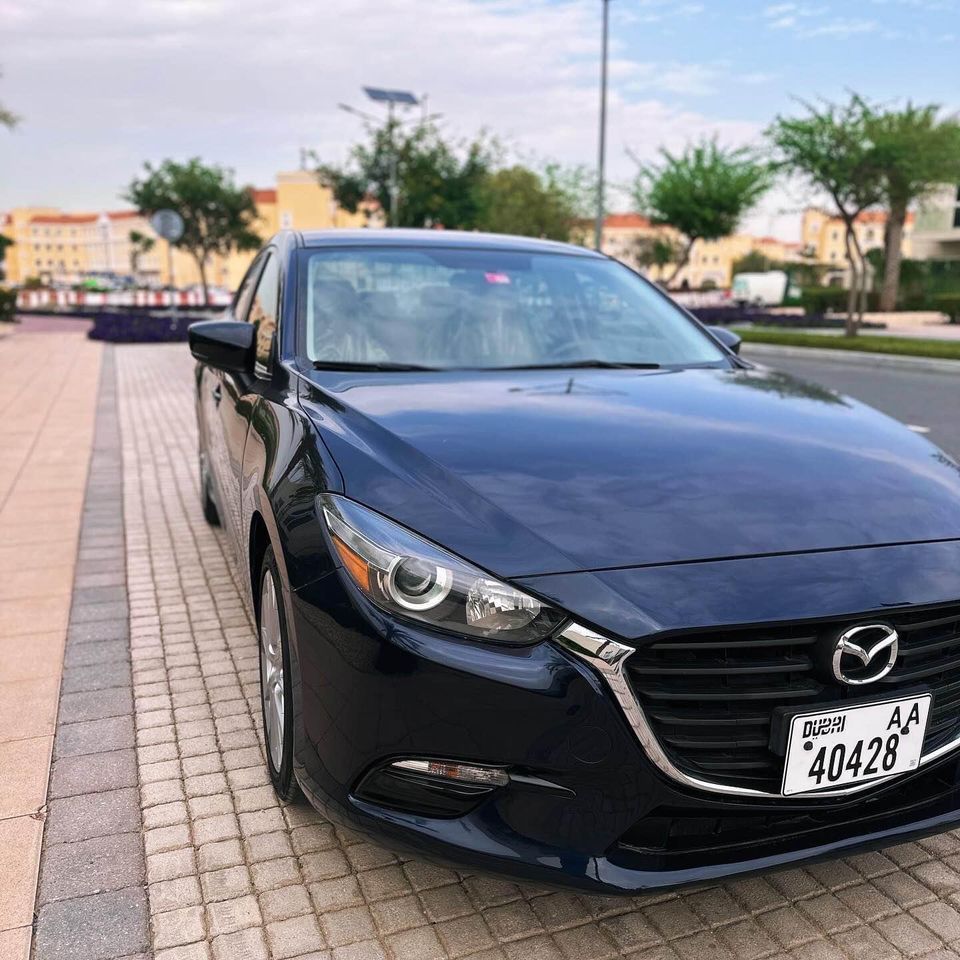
(168, 224)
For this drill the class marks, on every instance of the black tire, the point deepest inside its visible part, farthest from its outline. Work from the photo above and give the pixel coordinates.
(281, 775)
(210, 512)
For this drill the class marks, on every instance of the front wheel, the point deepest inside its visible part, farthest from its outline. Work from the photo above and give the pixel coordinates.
(275, 682)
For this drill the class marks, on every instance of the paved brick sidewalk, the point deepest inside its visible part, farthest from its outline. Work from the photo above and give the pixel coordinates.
(48, 389)
(234, 875)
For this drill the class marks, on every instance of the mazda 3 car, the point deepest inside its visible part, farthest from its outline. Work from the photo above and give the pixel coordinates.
(549, 582)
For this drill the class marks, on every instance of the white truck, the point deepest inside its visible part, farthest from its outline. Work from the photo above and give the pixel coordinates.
(767, 289)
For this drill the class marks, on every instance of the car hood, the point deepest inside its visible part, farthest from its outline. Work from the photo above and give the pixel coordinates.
(531, 472)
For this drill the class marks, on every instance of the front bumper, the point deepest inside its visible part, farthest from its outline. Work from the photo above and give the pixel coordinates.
(372, 689)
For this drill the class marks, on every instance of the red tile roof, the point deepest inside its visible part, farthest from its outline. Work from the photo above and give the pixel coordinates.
(626, 220)
(64, 218)
(264, 196)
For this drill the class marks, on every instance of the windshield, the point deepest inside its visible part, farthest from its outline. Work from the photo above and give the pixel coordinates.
(453, 307)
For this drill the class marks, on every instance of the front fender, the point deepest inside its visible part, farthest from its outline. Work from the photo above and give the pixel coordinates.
(285, 466)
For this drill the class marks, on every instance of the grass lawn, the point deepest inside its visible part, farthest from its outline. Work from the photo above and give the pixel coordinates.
(904, 346)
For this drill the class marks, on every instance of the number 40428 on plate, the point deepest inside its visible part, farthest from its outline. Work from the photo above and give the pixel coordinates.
(855, 744)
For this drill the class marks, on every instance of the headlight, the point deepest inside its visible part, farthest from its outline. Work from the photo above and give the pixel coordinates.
(410, 576)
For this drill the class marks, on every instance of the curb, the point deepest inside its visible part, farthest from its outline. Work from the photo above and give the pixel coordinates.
(854, 357)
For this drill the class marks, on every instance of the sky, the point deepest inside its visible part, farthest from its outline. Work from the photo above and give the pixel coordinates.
(104, 85)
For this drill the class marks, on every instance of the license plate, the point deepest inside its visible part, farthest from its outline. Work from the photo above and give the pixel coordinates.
(854, 744)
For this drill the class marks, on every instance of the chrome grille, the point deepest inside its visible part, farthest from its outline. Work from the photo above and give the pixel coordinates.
(709, 697)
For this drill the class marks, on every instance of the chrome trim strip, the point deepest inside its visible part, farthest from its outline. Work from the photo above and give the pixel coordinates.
(608, 657)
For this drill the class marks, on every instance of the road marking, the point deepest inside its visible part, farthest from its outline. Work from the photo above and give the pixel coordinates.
(916, 428)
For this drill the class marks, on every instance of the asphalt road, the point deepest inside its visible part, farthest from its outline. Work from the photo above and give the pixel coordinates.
(918, 398)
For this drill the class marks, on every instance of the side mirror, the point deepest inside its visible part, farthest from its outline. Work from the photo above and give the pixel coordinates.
(727, 337)
(223, 344)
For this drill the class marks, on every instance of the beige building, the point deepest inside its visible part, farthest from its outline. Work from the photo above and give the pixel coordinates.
(937, 231)
(824, 236)
(61, 247)
(711, 263)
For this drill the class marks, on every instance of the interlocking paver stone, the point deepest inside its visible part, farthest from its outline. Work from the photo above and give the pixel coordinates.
(91, 866)
(256, 878)
(97, 927)
(92, 815)
(93, 773)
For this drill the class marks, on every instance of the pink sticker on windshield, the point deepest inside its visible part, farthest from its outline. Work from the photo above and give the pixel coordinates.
(496, 277)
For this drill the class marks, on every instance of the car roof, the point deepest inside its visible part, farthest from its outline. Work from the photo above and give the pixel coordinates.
(389, 237)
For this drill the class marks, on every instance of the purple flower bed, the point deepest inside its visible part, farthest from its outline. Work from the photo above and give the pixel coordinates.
(139, 327)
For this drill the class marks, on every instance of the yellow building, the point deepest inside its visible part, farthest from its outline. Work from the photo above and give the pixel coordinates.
(60, 247)
(712, 262)
(824, 236)
(626, 235)
(297, 202)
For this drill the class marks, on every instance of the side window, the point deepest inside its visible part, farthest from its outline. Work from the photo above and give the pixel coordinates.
(241, 302)
(263, 311)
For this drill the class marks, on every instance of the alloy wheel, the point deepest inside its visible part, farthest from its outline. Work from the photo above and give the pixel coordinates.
(271, 670)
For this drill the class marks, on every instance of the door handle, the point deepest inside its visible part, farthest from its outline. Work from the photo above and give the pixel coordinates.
(217, 394)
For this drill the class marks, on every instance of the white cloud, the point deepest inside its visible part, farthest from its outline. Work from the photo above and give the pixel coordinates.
(757, 78)
(106, 84)
(778, 10)
(842, 28)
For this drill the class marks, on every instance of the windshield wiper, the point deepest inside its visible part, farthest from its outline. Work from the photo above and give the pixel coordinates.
(357, 365)
(584, 365)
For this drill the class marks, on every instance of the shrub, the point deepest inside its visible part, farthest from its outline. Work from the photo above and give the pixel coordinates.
(948, 303)
(822, 299)
(8, 305)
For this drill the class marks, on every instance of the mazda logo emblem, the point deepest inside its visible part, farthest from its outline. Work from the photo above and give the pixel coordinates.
(865, 654)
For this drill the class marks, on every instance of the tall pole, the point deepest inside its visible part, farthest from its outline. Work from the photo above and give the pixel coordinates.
(394, 186)
(602, 145)
(173, 289)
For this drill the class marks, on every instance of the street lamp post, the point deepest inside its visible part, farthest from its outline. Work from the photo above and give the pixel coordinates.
(393, 186)
(391, 98)
(602, 144)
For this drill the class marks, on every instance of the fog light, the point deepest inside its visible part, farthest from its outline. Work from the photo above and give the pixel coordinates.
(461, 772)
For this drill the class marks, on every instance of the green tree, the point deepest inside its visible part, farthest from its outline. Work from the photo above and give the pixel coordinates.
(755, 262)
(703, 193)
(140, 245)
(4, 243)
(918, 152)
(8, 118)
(419, 177)
(656, 251)
(218, 216)
(517, 200)
(832, 150)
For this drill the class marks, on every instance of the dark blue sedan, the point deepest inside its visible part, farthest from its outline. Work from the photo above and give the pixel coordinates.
(550, 582)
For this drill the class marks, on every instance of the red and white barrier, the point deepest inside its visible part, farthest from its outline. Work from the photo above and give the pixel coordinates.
(60, 299)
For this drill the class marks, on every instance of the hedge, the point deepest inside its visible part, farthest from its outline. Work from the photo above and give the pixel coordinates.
(865, 343)
(834, 299)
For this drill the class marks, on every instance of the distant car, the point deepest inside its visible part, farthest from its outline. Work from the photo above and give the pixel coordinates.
(549, 582)
(768, 289)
